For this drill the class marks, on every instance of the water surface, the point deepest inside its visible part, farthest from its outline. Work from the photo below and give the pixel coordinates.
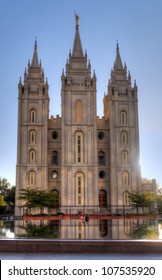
(98, 229)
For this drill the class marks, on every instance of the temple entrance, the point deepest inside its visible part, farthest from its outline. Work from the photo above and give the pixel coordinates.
(102, 198)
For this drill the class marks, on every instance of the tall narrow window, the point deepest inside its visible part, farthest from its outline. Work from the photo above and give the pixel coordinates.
(32, 157)
(32, 137)
(126, 199)
(125, 178)
(101, 158)
(124, 138)
(54, 157)
(79, 111)
(32, 178)
(123, 118)
(125, 157)
(79, 148)
(79, 152)
(33, 116)
(79, 187)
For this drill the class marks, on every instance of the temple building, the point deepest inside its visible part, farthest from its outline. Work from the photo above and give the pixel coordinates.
(86, 160)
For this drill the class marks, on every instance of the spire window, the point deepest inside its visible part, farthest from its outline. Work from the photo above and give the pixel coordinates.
(123, 118)
(125, 176)
(32, 137)
(32, 157)
(79, 152)
(33, 116)
(125, 157)
(32, 179)
(124, 138)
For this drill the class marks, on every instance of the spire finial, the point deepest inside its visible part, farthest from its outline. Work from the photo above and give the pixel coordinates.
(35, 43)
(76, 19)
(117, 46)
(35, 55)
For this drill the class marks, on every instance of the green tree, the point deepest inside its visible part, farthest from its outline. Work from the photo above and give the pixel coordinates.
(2, 202)
(2, 205)
(144, 199)
(4, 186)
(10, 199)
(36, 198)
(150, 199)
(159, 203)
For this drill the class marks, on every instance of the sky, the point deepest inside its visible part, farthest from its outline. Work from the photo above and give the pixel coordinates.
(136, 24)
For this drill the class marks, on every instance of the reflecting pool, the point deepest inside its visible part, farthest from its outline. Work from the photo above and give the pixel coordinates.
(108, 229)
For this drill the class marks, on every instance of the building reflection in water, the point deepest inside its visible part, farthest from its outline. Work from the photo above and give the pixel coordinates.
(93, 229)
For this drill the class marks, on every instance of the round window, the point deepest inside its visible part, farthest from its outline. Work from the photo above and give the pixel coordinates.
(54, 135)
(100, 135)
(54, 174)
(102, 174)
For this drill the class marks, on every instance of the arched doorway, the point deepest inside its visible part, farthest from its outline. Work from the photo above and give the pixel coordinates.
(56, 202)
(102, 198)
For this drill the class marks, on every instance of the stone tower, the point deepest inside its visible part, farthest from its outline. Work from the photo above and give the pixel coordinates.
(33, 110)
(121, 109)
(79, 132)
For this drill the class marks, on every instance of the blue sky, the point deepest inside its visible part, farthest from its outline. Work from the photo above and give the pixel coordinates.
(135, 24)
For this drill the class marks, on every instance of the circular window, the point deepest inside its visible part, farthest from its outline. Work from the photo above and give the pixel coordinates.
(54, 174)
(54, 135)
(102, 174)
(100, 135)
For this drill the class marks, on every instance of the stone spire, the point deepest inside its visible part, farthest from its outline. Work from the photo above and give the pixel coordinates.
(77, 46)
(118, 62)
(35, 56)
(34, 80)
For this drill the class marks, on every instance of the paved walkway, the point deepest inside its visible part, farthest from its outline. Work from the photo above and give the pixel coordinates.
(52, 256)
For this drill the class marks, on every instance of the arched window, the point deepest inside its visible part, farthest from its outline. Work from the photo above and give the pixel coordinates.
(54, 157)
(101, 158)
(54, 135)
(101, 135)
(33, 116)
(32, 137)
(102, 198)
(125, 157)
(126, 199)
(32, 178)
(125, 176)
(32, 157)
(79, 147)
(123, 117)
(79, 111)
(124, 138)
(79, 188)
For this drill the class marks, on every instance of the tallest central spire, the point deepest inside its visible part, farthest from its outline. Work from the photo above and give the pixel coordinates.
(77, 20)
(77, 47)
